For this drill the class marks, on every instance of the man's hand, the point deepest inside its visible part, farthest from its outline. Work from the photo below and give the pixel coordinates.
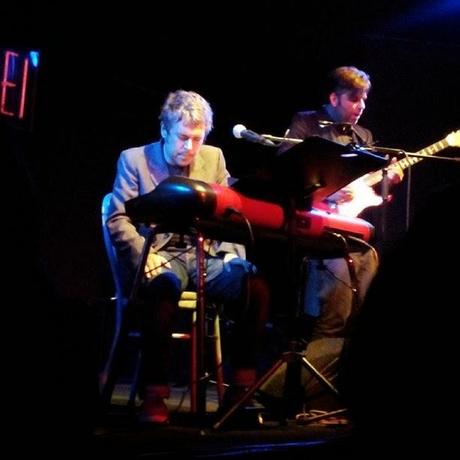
(344, 195)
(154, 264)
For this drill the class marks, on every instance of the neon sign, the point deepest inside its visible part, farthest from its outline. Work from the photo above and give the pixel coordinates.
(18, 73)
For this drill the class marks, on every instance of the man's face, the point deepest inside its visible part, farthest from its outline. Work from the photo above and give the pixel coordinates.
(348, 106)
(182, 142)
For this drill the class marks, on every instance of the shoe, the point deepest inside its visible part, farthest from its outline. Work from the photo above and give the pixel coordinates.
(153, 409)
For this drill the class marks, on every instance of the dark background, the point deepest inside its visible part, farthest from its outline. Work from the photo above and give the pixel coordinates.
(104, 75)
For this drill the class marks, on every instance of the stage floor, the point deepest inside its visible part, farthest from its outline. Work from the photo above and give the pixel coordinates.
(119, 435)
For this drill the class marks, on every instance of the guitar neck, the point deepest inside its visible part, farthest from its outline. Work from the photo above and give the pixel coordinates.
(375, 177)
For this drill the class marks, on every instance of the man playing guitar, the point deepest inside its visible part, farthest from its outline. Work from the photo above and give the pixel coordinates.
(331, 295)
(333, 291)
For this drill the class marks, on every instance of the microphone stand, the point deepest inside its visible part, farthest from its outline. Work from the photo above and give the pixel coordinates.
(403, 153)
(291, 140)
(391, 152)
(432, 157)
(384, 193)
(411, 159)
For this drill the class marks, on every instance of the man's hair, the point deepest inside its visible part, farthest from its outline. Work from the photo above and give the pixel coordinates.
(186, 106)
(348, 78)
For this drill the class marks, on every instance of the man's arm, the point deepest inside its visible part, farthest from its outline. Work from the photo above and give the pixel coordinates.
(124, 234)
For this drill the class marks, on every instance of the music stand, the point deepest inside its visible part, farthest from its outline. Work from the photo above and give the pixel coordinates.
(310, 171)
(304, 175)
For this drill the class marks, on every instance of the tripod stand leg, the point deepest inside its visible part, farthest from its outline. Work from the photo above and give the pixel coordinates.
(248, 394)
(287, 357)
(320, 377)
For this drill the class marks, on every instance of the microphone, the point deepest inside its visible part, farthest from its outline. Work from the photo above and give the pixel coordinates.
(240, 132)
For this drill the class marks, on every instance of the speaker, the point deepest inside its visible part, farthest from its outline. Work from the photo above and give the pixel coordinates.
(295, 381)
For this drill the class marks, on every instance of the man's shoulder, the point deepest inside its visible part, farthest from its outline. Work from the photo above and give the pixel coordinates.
(133, 155)
(139, 150)
(305, 123)
(364, 133)
(306, 118)
(362, 129)
(210, 150)
(307, 114)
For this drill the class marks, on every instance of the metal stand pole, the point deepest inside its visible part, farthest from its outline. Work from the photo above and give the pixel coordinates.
(198, 400)
(384, 193)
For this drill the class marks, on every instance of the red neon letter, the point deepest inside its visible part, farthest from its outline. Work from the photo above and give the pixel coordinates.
(9, 56)
(13, 97)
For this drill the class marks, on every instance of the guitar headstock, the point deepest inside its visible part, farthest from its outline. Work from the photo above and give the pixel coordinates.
(453, 139)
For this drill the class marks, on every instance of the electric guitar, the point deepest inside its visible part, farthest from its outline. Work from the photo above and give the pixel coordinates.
(363, 193)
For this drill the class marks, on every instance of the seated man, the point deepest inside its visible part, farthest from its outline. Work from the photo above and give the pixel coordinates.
(335, 288)
(330, 291)
(185, 120)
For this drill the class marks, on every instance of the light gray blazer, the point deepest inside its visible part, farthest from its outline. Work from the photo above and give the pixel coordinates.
(139, 171)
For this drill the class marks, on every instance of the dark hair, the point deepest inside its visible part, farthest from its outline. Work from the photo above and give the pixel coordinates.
(348, 78)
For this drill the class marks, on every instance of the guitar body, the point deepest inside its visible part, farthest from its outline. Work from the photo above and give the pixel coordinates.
(364, 197)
